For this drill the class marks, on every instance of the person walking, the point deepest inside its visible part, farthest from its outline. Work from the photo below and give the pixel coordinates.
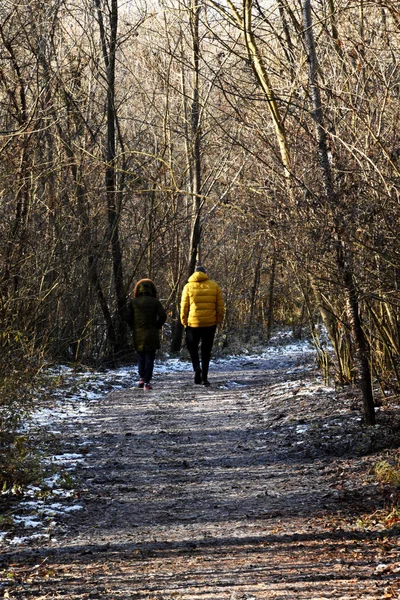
(145, 315)
(202, 309)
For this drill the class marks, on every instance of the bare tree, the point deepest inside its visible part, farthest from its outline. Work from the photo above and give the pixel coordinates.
(109, 38)
(343, 257)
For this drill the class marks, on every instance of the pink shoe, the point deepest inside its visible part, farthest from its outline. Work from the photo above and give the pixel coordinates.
(141, 383)
(147, 386)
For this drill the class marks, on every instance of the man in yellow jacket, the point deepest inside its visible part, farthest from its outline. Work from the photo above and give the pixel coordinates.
(202, 309)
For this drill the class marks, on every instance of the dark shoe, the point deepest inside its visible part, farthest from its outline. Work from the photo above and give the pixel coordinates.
(148, 386)
(206, 383)
(197, 375)
(141, 383)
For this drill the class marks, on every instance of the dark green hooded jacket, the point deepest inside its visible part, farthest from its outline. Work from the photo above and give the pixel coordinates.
(145, 316)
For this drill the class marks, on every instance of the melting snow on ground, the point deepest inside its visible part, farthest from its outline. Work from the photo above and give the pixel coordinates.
(37, 515)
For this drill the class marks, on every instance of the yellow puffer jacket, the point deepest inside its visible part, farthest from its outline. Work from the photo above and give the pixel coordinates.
(202, 304)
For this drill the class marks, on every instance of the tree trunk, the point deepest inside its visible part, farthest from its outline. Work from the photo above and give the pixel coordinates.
(271, 289)
(262, 77)
(119, 339)
(343, 258)
(195, 141)
(193, 150)
(254, 290)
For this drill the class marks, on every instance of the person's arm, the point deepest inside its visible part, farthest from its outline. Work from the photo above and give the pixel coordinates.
(185, 306)
(129, 315)
(220, 308)
(161, 315)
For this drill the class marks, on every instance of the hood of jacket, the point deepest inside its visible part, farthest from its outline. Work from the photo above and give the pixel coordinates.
(197, 277)
(145, 287)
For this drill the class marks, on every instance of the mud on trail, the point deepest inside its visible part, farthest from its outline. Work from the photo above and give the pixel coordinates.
(258, 487)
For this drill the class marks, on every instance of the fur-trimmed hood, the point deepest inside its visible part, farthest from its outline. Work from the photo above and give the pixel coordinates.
(145, 287)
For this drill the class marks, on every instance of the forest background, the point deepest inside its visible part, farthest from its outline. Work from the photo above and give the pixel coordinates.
(258, 138)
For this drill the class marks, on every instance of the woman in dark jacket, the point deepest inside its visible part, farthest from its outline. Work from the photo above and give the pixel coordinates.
(146, 316)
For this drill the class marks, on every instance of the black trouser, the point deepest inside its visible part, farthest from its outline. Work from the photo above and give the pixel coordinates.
(205, 335)
(145, 362)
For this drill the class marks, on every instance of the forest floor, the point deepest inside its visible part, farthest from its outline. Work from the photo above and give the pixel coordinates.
(260, 486)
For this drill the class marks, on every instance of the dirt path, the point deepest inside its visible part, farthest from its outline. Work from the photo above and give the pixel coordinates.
(244, 490)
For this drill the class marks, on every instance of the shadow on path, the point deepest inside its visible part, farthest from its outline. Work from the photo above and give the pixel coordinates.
(196, 493)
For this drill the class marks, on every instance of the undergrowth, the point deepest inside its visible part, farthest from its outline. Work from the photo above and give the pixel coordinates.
(388, 473)
(19, 463)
